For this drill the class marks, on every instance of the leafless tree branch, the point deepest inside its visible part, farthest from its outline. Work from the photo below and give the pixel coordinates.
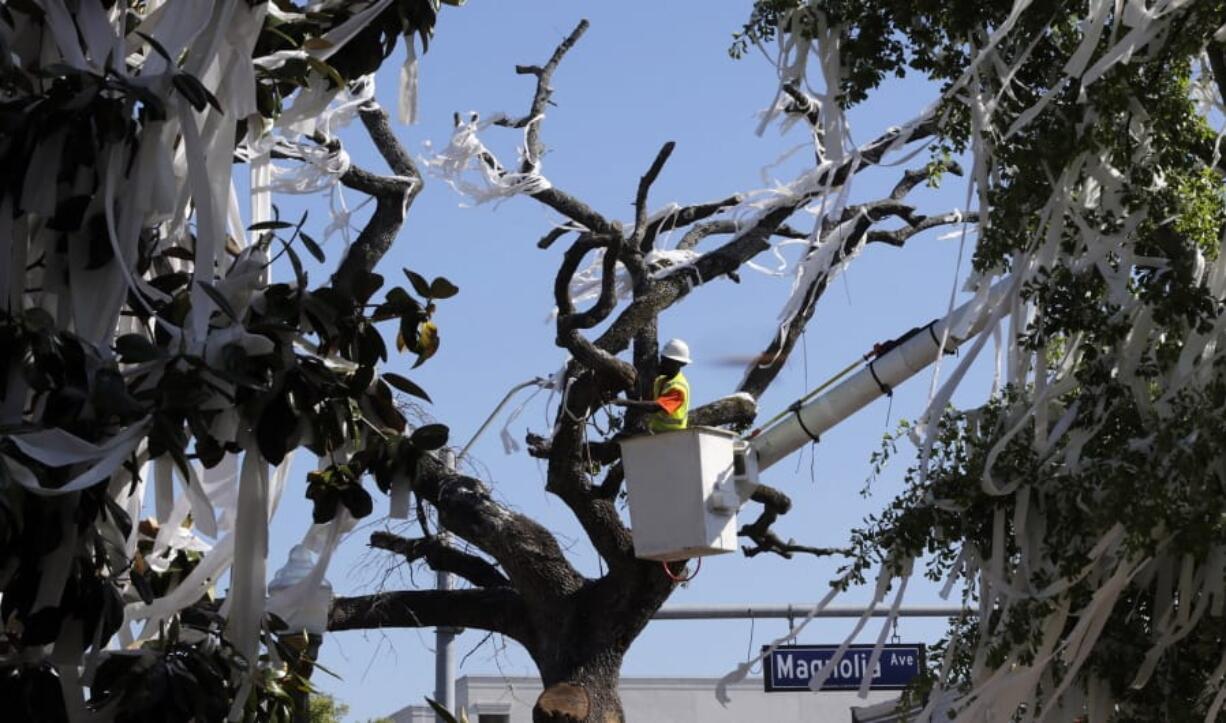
(748, 243)
(736, 410)
(685, 216)
(554, 234)
(803, 104)
(853, 231)
(528, 553)
(540, 99)
(560, 201)
(612, 483)
(775, 503)
(640, 199)
(726, 226)
(899, 236)
(393, 197)
(570, 322)
(567, 317)
(497, 609)
(441, 557)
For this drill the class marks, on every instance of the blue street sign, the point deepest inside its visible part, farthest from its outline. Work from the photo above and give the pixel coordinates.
(790, 667)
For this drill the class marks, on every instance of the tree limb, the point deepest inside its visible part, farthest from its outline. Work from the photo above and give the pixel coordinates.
(854, 231)
(541, 98)
(569, 322)
(775, 503)
(555, 198)
(612, 483)
(554, 234)
(567, 317)
(499, 610)
(725, 226)
(803, 105)
(638, 237)
(379, 126)
(686, 216)
(569, 467)
(736, 410)
(528, 553)
(898, 237)
(577, 211)
(574, 209)
(393, 196)
(748, 243)
(441, 557)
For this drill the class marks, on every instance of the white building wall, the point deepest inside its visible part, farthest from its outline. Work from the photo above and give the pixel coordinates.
(658, 700)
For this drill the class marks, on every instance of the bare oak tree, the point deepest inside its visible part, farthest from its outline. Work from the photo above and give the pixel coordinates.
(577, 629)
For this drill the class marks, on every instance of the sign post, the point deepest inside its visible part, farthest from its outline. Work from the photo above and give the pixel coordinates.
(791, 667)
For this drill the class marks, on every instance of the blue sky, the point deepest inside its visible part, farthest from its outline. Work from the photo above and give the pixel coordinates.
(645, 73)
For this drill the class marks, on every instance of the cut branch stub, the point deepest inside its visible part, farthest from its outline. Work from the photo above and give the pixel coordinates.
(563, 703)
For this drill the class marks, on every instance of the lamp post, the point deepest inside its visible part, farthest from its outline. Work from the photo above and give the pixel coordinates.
(305, 611)
(444, 636)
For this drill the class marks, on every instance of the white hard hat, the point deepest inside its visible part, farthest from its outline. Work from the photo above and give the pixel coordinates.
(676, 350)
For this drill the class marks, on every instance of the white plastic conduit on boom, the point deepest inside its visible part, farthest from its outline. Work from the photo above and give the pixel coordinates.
(907, 356)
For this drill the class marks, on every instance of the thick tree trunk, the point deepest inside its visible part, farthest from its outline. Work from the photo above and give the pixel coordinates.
(578, 646)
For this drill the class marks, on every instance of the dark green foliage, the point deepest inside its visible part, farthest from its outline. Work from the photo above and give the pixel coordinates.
(1146, 441)
(285, 394)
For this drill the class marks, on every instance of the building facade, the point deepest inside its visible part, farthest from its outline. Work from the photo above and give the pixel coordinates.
(494, 699)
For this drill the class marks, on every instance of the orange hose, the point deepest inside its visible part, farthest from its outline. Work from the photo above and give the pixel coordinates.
(676, 578)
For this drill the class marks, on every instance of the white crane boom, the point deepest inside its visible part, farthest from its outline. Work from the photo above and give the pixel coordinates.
(806, 421)
(685, 487)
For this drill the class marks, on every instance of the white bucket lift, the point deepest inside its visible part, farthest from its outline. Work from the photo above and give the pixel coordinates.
(685, 487)
(683, 498)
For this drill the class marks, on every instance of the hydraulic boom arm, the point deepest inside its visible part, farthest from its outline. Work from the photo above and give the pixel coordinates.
(807, 420)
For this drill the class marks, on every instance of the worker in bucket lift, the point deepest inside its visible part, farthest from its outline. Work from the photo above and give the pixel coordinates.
(670, 402)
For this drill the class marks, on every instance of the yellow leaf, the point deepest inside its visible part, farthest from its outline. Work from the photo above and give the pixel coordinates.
(427, 342)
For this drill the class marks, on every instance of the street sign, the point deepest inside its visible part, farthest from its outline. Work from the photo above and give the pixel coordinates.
(790, 667)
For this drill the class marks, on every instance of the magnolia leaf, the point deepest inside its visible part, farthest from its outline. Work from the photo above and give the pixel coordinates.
(407, 338)
(219, 298)
(191, 90)
(135, 348)
(313, 247)
(441, 712)
(277, 430)
(269, 225)
(420, 285)
(357, 500)
(300, 276)
(430, 436)
(441, 288)
(406, 386)
(325, 507)
(396, 303)
(157, 47)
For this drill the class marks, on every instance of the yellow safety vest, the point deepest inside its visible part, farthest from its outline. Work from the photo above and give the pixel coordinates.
(662, 421)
